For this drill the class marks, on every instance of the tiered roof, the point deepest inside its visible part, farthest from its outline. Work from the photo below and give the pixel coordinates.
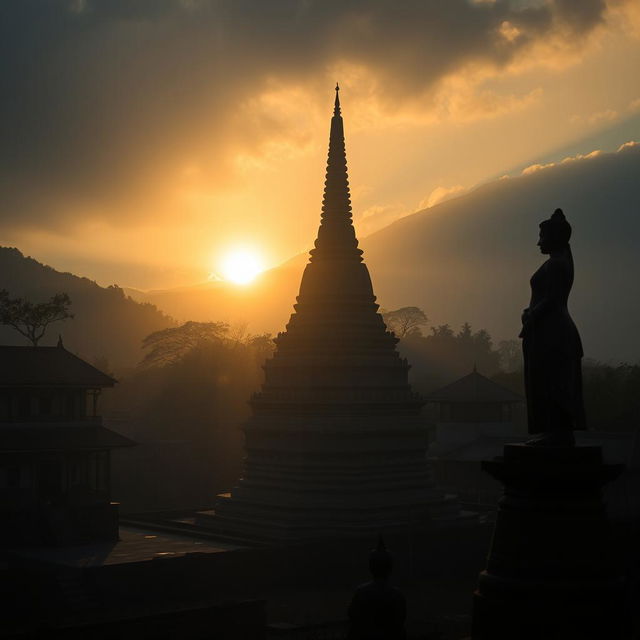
(336, 444)
(48, 367)
(336, 350)
(474, 388)
(54, 437)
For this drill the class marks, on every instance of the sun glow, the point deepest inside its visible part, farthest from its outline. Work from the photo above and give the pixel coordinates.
(241, 266)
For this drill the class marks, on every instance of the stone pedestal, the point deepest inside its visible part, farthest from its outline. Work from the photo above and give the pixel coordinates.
(549, 574)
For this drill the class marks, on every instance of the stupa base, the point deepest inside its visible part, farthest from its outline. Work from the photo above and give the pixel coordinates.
(279, 524)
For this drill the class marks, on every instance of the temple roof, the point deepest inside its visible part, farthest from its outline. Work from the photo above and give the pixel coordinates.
(474, 387)
(55, 438)
(48, 367)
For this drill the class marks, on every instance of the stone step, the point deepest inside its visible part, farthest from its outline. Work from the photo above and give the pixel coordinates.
(190, 530)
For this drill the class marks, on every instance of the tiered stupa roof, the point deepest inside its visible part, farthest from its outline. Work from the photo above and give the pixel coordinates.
(336, 350)
(336, 445)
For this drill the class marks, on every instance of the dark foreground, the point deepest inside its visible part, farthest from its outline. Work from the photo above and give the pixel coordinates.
(169, 586)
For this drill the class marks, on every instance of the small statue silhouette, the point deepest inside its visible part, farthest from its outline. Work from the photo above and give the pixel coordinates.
(551, 343)
(378, 610)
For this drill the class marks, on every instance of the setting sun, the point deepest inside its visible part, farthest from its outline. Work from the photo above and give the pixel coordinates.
(241, 266)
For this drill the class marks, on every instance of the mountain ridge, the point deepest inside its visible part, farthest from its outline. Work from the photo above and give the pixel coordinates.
(469, 258)
(108, 326)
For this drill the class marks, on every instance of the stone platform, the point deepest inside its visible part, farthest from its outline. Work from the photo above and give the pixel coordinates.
(360, 477)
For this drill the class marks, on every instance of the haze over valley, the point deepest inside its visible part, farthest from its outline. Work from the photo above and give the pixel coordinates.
(469, 258)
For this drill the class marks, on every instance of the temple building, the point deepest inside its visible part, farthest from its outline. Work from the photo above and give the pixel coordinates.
(54, 451)
(336, 444)
(471, 416)
(476, 400)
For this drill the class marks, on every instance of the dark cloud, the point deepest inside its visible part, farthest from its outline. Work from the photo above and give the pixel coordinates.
(580, 15)
(103, 99)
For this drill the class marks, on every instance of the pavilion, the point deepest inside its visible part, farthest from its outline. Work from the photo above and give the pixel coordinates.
(54, 451)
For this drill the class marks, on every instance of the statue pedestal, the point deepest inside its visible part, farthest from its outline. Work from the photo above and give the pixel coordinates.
(548, 573)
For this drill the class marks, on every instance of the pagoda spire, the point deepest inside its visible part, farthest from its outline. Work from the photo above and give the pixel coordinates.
(335, 444)
(336, 235)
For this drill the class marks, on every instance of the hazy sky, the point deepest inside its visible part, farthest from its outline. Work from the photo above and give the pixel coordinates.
(142, 139)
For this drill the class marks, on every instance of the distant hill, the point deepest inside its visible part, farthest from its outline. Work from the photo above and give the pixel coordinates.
(264, 305)
(470, 258)
(107, 325)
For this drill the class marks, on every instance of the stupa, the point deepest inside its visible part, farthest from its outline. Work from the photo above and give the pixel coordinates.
(335, 445)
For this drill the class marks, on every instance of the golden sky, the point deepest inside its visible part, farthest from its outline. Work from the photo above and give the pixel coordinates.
(142, 139)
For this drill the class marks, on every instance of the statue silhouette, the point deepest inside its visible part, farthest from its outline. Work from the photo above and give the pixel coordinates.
(378, 610)
(551, 343)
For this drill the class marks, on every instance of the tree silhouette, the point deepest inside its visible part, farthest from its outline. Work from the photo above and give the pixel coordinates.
(170, 345)
(262, 346)
(442, 333)
(32, 319)
(510, 355)
(405, 321)
(444, 354)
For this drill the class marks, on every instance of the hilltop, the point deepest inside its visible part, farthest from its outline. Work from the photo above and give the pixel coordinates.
(108, 325)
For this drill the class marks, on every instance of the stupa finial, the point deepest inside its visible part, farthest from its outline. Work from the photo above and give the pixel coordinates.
(336, 236)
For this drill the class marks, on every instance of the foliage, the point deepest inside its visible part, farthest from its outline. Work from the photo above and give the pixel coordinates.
(171, 345)
(167, 346)
(108, 323)
(32, 319)
(406, 321)
(444, 355)
(262, 346)
(611, 394)
(510, 353)
(185, 410)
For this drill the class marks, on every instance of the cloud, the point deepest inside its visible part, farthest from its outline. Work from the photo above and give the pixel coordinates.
(469, 103)
(627, 146)
(113, 109)
(533, 168)
(440, 194)
(378, 216)
(580, 156)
